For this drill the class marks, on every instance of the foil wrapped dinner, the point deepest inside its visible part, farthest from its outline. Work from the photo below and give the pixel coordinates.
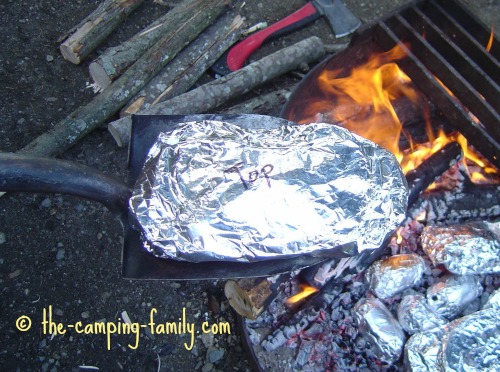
(212, 190)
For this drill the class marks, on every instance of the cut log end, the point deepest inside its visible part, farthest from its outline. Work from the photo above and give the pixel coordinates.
(99, 75)
(120, 130)
(69, 54)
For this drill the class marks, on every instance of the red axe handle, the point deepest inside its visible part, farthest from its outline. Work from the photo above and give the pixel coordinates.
(240, 52)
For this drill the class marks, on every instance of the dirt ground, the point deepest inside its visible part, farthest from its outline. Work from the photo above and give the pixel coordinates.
(64, 252)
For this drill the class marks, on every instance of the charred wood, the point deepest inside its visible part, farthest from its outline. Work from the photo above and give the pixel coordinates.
(417, 132)
(79, 42)
(431, 169)
(449, 207)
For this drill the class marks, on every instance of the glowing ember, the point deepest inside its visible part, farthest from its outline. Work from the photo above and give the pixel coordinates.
(305, 291)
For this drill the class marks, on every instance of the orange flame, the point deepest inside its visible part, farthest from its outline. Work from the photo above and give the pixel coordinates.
(469, 155)
(305, 291)
(364, 98)
(363, 103)
(399, 237)
(490, 41)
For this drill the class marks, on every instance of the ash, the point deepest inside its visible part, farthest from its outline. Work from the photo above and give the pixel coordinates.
(312, 339)
(327, 337)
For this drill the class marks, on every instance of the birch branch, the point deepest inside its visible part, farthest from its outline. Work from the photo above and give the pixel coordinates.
(115, 60)
(213, 94)
(80, 41)
(88, 117)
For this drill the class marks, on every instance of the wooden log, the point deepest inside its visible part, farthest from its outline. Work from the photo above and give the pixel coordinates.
(80, 41)
(213, 94)
(88, 117)
(263, 104)
(114, 61)
(179, 75)
(448, 207)
(431, 169)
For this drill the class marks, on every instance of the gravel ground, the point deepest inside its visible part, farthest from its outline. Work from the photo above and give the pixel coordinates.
(64, 252)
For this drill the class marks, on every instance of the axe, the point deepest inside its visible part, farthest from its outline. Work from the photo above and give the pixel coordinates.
(342, 21)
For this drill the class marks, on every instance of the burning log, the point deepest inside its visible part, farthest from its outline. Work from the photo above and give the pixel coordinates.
(179, 75)
(114, 61)
(86, 118)
(481, 201)
(82, 39)
(431, 169)
(211, 95)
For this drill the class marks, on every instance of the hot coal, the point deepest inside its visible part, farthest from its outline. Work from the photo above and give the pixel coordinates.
(326, 339)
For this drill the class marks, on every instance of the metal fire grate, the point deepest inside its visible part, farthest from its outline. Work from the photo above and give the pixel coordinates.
(447, 43)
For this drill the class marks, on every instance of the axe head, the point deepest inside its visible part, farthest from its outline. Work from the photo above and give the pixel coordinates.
(342, 21)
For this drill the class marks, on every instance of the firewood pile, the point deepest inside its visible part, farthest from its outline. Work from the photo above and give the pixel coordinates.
(151, 72)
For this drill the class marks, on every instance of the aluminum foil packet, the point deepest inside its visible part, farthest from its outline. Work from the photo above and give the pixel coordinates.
(394, 274)
(493, 300)
(212, 190)
(415, 315)
(468, 248)
(451, 295)
(470, 343)
(380, 328)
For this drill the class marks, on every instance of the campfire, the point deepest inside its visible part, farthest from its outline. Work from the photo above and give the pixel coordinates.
(364, 102)
(432, 293)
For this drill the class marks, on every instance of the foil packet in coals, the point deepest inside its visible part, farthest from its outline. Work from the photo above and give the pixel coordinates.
(393, 275)
(212, 190)
(468, 248)
(378, 325)
(470, 343)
